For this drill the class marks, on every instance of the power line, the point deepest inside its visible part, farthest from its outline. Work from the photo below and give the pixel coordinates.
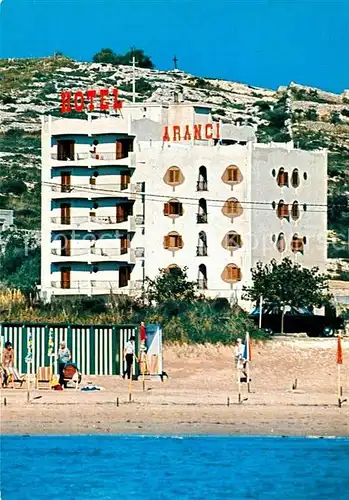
(210, 202)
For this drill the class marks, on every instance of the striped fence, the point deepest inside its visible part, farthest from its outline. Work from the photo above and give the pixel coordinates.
(96, 349)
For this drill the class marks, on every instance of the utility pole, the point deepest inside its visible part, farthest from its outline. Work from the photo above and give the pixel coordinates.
(133, 76)
(175, 61)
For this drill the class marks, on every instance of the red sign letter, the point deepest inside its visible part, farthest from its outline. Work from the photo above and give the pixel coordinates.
(117, 103)
(217, 130)
(79, 102)
(166, 136)
(65, 102)
(104, 105)
(197, 132)
(208, 131)
(91, 94)
(187, 135)
(176, 133)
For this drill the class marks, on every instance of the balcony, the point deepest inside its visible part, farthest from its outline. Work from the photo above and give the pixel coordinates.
(118, 254)
(95, 287)
(201, 218)
(90, 191)
(94, 222)
(201, 251)
(71, 287)
(98, 158)
(202, 284)
(201, 186)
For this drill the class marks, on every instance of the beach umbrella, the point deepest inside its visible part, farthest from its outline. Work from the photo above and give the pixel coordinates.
(51, 345)
(29, 356)
(339, 359)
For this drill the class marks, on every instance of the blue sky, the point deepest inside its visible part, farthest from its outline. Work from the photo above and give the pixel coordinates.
(262, 42)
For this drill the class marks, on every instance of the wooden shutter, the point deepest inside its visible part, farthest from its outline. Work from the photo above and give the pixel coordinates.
(119, 150)
(72, 150)
(166, 242)
(66, 246)
(124, 245)
(65, 182)
(65, 277)
(283, 179)
(167, 209)
(179, 242)
(60, 151)
(120, 213)
(297, 245)
(92, 181)
(65, 213)
(232, 174)
(295, 210)
(180, 209)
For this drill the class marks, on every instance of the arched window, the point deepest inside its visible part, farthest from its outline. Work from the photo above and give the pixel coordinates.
(201, 184)
(232, 241)
(202, 277)
(172, 268)
(295, 212)
(231, 274)
(295, 180)
(173, 241)
(232, 175)
(173, 176)
(173, 208)
(282, 177)
(201, 249)
(297, 244)
(201, 216)
(281, 243)
(282, 210)
(232, 208)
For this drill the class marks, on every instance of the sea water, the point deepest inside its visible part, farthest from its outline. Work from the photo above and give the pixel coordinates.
(142, 468)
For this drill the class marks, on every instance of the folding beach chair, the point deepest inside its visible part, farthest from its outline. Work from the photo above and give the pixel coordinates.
(43, 375)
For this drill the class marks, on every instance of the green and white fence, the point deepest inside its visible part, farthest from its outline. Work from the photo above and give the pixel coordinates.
(96, 349)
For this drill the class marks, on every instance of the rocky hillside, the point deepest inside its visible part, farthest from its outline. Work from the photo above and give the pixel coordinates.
(30, 87)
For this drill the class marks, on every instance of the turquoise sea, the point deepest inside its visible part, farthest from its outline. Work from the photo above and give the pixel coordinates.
(161, 468)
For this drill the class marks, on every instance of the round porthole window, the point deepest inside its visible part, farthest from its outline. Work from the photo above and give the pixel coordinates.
(95, 206)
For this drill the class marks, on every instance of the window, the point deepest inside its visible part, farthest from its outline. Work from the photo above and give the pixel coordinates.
(297, 244)
(232, 175)
(66, 182)
(201, 184)
(124, 244)
(173, 241)
(122, 212)
(65, 245)
(232, 208)
(201, 249)
(125, 179)
(282, 210)
(201, 216)
(231, 274)
(65, 213)
(282, 177)
(202, 277)
(124, 276)
(295, 180)
(65, 277)
(173, 176)
(172, 268)
(281, 243)
(295, 212)
(65, 150)
(232, 241)
(123, 148)
(173, 208)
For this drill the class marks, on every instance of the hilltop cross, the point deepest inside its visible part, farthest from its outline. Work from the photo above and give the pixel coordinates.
(175, 60)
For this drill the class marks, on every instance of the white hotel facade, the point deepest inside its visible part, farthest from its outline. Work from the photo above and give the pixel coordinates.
(119, 202)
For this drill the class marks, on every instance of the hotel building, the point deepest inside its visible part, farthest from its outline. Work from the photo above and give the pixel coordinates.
(158, 186)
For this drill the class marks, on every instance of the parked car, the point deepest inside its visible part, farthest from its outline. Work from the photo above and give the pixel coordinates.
(297, 320)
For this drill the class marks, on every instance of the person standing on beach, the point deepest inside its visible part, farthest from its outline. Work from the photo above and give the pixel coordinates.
(129, 354)
(63, 357)
(9, 370)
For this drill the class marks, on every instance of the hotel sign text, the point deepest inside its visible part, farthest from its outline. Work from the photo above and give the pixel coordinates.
(102, 99)
(196, 132)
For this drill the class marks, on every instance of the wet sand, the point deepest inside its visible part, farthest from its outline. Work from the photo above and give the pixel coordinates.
(200, 396)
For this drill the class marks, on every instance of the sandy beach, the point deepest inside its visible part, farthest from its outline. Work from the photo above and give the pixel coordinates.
(200, 396)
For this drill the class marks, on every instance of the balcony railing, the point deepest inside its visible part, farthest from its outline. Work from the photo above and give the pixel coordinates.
(201, 186)
(70, 252)
(103, 155)
(202, 283)
(104, 188)
(201, 218)
(100, 219)
(201, 251)
(66, 220)
(68, 285)
(105, 285)
(109, 252)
